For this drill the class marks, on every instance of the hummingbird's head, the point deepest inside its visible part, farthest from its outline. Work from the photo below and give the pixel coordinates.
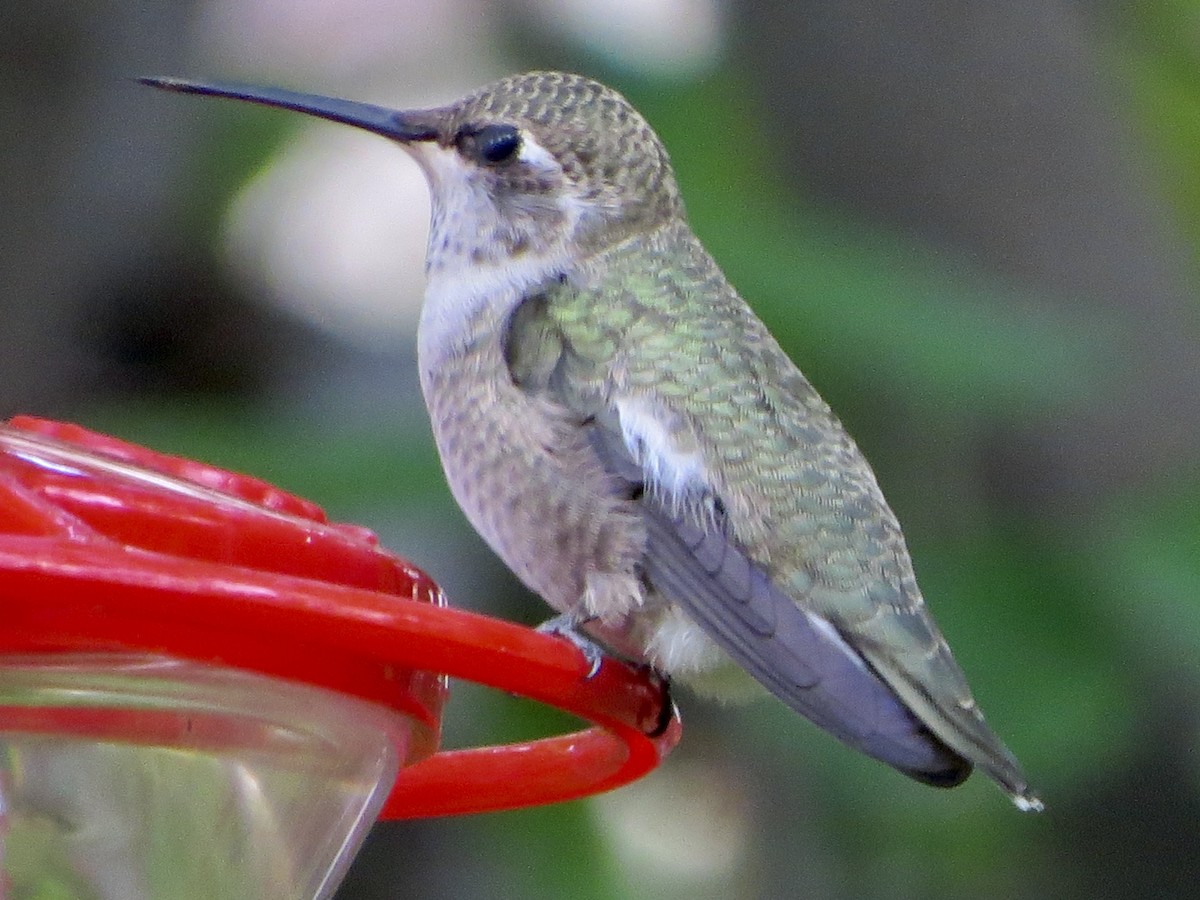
(531, 168)
(541, 160)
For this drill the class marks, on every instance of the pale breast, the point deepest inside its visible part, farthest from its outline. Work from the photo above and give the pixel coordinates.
(530, 483)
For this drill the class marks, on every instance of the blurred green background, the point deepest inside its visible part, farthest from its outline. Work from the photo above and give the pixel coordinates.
(975, 226)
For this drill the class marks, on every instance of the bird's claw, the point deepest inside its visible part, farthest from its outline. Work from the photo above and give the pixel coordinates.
(666, 712)
(568, 627)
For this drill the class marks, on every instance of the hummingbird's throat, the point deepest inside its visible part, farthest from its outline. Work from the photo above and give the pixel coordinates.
(479, 218)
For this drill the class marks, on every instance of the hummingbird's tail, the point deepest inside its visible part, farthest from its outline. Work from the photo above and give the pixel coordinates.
(961, 727)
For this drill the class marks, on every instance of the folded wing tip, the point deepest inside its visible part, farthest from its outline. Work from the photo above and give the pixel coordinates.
(951, 776)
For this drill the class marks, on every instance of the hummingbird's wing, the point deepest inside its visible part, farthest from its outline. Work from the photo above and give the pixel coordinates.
(693, 561)
(866, 663)
(795, 654)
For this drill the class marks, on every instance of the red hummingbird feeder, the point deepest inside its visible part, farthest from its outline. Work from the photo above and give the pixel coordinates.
(207, 689)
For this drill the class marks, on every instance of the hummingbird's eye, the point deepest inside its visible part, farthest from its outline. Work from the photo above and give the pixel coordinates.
(494, 144)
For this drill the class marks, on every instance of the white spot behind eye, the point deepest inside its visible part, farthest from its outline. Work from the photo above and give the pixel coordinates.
(534, 154)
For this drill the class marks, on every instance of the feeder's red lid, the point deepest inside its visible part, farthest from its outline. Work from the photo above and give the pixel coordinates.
(108, 546)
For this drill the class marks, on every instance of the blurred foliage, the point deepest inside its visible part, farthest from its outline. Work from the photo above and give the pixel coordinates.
(843, 299)
(1159, 57)
(343, 469)
(1061, 633)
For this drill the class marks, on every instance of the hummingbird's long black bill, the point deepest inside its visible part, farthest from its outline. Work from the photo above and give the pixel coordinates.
(398, 125)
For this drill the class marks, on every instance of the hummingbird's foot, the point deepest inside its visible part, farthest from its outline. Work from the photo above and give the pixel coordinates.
(569, 627)
(666, 712)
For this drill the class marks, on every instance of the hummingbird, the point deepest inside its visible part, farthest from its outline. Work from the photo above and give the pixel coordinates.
(627, 436)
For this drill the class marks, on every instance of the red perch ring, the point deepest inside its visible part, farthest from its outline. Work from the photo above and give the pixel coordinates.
(107, 546)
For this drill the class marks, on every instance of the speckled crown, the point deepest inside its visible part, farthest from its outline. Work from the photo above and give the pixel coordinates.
(602, 142)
